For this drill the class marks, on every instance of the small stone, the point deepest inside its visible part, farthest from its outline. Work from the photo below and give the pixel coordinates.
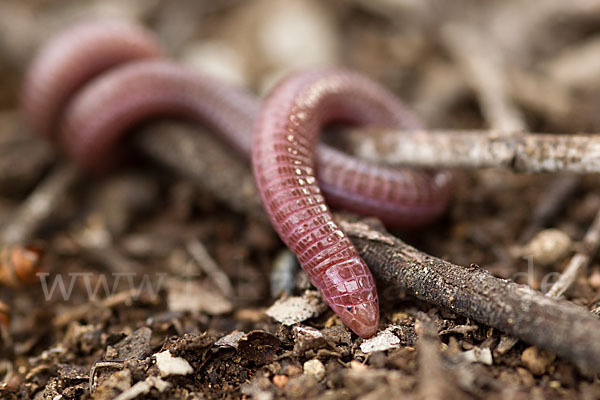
(111, 353)
(169, 365)
(307, 338)
(554, 385)
(306, 333)
(537, 361)
(315, 368)
(230, 340)
(506, 343)
(116, 381)
(547, 247)
(292, 370)
(280, 380)
(478, 354)
(594, 279)
(292, 310)
(385, 340)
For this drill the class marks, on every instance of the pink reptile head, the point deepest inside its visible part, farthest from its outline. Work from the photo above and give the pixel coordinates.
(352, 297)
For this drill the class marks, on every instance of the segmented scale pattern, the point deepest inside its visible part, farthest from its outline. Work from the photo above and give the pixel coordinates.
(403, 197)
(109, 107)
(285, 141)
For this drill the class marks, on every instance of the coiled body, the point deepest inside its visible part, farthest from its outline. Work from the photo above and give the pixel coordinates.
(89, 122)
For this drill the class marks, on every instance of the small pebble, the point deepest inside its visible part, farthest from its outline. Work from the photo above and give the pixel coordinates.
(291, 310)
(554, 384)
(230, 340)
(307, 338)
(169, 365)
(306, 333)
(547, 247)
(315, 368)
(478, 354)
(384, 340)
(594, 279)
(537, 361)
(292, 370)
(280, 380)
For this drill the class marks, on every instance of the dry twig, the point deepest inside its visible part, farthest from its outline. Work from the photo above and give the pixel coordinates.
(433, 382)
(40, 204)
(580, 261)
(516, 151)
(483, 70)
(578, 66)
(553, 201)
(203, 158)
(204, 260)
(561, 327)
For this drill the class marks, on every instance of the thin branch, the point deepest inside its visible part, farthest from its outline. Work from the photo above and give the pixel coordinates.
(578, 66)
(433, 383)
(483, 69)
(204, 260)
(558, 326)
(516, 151)
(553, 201)
(40, 204)
(23, 157)
(203, 159)
(555, 105)
(580, 261)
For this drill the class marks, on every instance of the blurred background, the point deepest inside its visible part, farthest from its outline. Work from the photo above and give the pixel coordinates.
(431, 52)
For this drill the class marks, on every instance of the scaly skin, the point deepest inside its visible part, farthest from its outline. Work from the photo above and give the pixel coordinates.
(284, 161)
(96, 81)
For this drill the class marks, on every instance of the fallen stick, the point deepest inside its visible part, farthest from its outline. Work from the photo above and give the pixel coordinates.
(40, 204)
(558, 326)
(433, 383)
(516, 151)
(554, 325)
(204, 160)
(483, 68)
